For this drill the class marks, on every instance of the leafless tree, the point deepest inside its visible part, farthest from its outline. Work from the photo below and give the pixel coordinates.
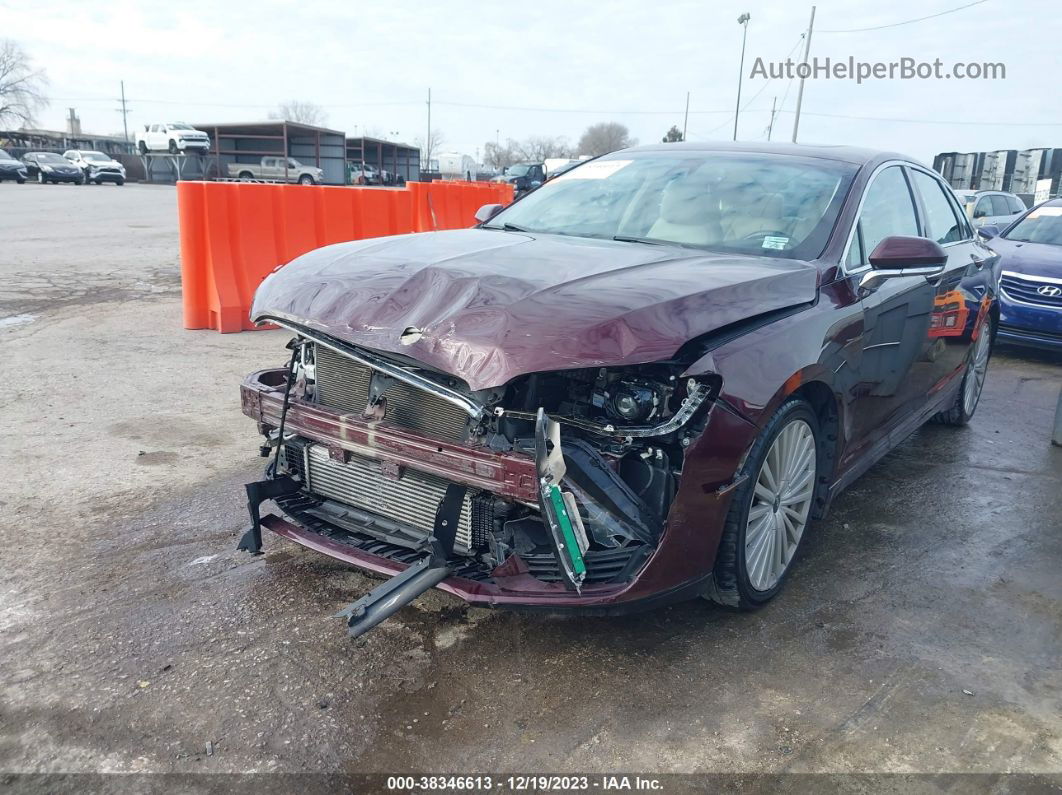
(21, 86)
(539, 147)
(498, 155)
(301, 112)
(430, 150)
(534, 149)
(605, 137)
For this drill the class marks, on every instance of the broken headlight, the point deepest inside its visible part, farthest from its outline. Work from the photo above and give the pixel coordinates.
(634, 401)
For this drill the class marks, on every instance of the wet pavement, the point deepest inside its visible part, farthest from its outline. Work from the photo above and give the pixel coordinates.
(920, 632)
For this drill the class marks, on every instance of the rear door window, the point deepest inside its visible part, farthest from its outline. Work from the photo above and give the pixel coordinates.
(941, 221)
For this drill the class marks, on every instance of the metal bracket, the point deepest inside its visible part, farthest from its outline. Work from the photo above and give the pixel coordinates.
(558, 508)
(257, 493)
(385, 600)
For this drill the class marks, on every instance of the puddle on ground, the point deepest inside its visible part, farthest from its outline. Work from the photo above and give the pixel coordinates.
(16, 320)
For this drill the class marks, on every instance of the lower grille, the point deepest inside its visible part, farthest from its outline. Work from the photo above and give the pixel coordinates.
(343, 384)
(413, 498)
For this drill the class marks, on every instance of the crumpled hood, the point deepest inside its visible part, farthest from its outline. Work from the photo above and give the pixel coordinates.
(493, 305)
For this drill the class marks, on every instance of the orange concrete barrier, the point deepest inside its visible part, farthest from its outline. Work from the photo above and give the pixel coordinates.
(234, 234)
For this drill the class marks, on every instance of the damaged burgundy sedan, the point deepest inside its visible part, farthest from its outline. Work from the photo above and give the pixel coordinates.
(637, 384)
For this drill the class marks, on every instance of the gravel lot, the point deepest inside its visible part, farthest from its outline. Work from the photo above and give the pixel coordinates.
(921, 632)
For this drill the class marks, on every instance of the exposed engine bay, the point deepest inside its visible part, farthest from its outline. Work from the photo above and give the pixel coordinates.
(607, 443)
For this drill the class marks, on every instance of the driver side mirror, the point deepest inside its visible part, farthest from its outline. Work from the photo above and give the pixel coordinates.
(899, 256)
(488, 211)
(988, 231)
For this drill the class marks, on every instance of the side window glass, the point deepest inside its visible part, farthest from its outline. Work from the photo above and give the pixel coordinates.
(1000, 205)
(1016, 205)
(983, 208)
(941, 223)
(855, 259)
(887, 210)
(960, 213)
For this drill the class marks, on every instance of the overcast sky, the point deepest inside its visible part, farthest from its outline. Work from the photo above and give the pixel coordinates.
(549, 68)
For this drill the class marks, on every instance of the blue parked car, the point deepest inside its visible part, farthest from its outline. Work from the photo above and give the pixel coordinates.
(1030, 300)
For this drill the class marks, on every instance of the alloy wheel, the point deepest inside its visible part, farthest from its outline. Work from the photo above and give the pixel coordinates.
(781, 503)
(976, 370)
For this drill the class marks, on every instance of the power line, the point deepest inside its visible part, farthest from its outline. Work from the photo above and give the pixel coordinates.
(762, 88)
(907, 21)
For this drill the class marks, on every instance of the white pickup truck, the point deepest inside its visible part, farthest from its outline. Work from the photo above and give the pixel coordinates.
(174, 138)
(272, 169)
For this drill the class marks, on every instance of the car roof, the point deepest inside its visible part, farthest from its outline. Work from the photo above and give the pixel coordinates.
(847, 154)
(979, 192)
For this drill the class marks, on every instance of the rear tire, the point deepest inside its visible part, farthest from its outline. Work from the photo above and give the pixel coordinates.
(965, 404)
(246, 176)
(765, 526)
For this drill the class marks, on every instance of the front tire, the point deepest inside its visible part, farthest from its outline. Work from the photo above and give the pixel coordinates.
(173, 147)
(962, 409)
(306, 179)
(770, 510)
(142, 147)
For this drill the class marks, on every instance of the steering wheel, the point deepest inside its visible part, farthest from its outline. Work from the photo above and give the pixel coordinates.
(761, 233)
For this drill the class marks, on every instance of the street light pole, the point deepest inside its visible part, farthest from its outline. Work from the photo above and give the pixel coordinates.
(743, 20)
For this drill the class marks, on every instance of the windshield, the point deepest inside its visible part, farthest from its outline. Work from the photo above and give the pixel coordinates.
(1042, 225)
(517, 171)
(180, 126)
(96, 157)
(773, 205)
(48, 157)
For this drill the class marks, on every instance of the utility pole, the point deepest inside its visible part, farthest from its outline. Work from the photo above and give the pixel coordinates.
(800, 91)
(427, 141)
(743, 20)
(125, 114)
(770, 127)
(686, 117)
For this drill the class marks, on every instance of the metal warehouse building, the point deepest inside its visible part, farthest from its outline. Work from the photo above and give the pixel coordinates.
(1005, 169)
(399, 159)
(250, 142)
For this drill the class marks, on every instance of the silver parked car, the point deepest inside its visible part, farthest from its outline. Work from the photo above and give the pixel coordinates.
(991, 206)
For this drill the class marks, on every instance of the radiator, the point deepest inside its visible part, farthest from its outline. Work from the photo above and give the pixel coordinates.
(343, 384)
(412, 498)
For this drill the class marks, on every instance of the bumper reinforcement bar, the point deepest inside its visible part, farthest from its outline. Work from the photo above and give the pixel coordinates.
(389, 597)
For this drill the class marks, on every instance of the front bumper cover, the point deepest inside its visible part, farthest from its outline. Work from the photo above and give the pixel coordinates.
(679, 566)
